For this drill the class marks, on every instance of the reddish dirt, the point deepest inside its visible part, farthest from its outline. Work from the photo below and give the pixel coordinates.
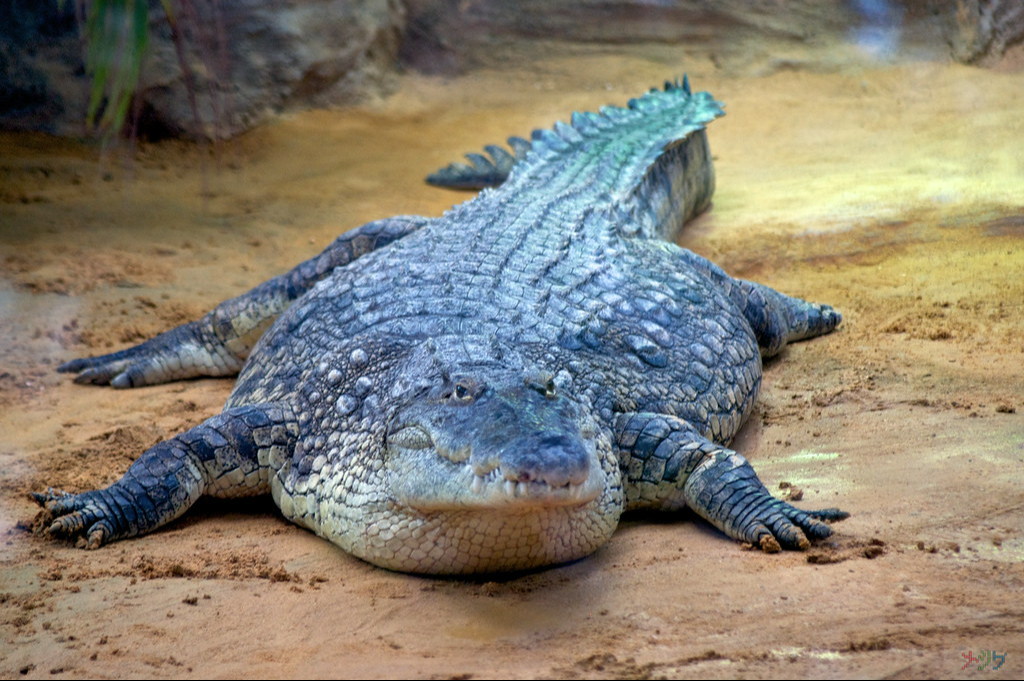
(892, 191)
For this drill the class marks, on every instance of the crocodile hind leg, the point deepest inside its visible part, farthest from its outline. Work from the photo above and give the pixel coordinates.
(218, 344)
(667, 464)
(777, 319)
(232, 454)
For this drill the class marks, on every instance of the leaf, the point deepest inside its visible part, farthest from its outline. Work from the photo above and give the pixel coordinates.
(117, 36)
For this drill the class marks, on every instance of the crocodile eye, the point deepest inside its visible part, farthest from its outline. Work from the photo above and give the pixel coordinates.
(549, 388)
(462, 392)
(542, 383)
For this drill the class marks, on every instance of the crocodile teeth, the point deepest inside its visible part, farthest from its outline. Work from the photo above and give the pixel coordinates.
(520, 490)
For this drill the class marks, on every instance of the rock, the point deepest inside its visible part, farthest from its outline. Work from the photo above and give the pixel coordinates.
(980, 31)
(279, 56)
(251, 59)
(39, 55)
(246, 60)
(450, 36)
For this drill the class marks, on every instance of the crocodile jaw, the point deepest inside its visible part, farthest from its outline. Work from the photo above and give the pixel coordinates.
(430, 482)
(482, 467)
(500, 527)
(470, 541)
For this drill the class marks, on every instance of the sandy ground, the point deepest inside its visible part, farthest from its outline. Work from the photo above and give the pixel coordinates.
(892, 191)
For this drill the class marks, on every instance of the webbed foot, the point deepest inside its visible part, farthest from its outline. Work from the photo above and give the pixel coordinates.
(184, 352)
(88, 516)
(725, 490)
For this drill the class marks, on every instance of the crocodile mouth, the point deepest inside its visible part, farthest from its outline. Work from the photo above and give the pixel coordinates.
(431, 478)
(523, 498)
(494, 485)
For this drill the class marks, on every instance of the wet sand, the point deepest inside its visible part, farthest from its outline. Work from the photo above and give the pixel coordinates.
(894, 192)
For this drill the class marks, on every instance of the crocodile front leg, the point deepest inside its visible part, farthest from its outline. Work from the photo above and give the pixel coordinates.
(232, 454)
(667, 464)
(218, 344)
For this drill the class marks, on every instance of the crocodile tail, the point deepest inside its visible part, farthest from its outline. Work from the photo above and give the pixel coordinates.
(650, 157)
(488, 170)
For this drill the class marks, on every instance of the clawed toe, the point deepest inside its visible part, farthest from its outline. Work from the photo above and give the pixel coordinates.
(74, 366)
(50, 495)
(66, 517)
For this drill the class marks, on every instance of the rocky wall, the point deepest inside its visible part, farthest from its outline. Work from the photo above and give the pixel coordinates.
(247, 60)
(242, 61)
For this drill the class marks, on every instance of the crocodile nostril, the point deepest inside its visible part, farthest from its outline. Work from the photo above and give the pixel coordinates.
(557, 461)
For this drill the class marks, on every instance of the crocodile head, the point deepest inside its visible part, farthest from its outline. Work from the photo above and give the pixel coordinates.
(487, 441)
(492, 466)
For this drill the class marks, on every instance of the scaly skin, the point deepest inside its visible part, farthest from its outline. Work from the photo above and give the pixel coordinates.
(491, 389)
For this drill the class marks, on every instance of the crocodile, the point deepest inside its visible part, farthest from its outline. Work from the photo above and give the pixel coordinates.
(491, 389)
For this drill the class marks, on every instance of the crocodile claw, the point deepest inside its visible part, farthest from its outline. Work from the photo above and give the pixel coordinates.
(75, 515)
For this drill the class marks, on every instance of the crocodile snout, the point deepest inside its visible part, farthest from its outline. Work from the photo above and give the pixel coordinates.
(554, 460)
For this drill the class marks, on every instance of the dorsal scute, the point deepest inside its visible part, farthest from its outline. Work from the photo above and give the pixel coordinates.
(519, 146)
(589, 123)
(548, 144)
(568, 132)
